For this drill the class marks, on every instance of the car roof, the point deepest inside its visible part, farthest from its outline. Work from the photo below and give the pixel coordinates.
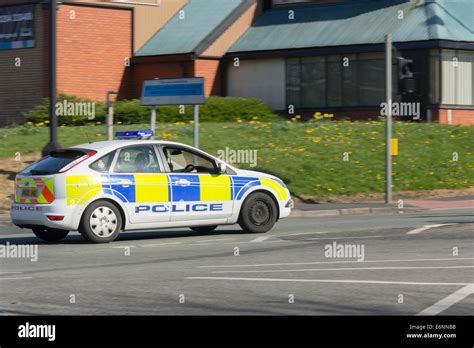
(115, 144)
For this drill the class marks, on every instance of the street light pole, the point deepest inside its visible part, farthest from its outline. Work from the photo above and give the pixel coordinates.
(388, 121)
(53, 120)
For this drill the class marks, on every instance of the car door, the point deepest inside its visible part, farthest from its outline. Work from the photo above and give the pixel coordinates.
(198, 192)
(137, 178)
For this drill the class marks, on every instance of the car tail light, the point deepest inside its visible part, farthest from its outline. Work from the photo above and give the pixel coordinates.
(55, 217)
(76, 162)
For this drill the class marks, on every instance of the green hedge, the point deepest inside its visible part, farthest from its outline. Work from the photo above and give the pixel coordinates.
(216, 109)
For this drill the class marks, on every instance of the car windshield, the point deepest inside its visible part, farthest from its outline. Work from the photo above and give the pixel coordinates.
(53, 163)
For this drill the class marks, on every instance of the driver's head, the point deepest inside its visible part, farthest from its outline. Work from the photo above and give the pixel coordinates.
(141, 162)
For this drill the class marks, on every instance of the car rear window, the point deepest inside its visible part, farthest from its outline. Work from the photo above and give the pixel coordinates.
(53, 163)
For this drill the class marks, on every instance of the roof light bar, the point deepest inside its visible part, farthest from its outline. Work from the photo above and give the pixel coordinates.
(138, 134)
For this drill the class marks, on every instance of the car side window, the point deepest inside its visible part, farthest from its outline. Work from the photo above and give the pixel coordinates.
(137, 159)
(184, 161)
(102, 164)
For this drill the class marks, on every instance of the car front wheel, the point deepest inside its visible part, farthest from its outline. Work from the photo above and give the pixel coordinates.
(49, 234)
(258, 213)
(101, 222)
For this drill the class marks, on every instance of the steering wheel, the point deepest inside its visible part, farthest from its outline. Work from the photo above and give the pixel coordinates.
(189, 168)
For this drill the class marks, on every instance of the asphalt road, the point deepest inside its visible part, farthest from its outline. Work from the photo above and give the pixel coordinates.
(407, 269)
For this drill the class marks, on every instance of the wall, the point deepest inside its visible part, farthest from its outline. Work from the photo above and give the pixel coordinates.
(150, 68)
(211, 70)
(92, 49)
(458, 116)
(22, 88)
(262, 79)
(149, 17)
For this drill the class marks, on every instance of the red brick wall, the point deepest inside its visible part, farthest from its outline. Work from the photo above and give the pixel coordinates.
(92, 49)
(162, 70)
(211, 70)
(465, 117)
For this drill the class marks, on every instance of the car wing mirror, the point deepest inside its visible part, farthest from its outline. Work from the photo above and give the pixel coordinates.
(221, 168)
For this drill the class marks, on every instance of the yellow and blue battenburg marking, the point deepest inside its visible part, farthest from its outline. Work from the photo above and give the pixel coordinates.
(149, 188)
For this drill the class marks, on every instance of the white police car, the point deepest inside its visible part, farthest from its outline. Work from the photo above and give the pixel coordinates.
(103, 188)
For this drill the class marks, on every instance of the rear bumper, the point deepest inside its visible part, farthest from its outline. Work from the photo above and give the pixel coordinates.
(27, 215)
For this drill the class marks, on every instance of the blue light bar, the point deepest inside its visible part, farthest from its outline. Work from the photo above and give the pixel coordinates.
(138, 134)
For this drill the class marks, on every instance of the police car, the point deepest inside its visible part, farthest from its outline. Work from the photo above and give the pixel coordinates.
(103, 188)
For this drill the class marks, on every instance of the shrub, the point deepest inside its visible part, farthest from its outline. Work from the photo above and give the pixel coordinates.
(216, 109)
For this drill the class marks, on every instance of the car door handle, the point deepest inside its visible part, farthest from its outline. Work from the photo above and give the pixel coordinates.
(125, 183)
(183, 182)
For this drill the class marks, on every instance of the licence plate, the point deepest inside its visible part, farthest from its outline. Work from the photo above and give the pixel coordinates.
(29, 192)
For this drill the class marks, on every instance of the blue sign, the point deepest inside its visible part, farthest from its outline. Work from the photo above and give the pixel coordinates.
(187, 91)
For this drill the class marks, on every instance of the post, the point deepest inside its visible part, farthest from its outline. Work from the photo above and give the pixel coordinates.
(53, 119)
(153, 121)
(110, 122)
(196, 126)
(388, 121)
(110, 115)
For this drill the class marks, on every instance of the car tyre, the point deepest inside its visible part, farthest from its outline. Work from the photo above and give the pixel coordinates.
(203, 229)
(49, 234)
(258, 213)
(101, 222)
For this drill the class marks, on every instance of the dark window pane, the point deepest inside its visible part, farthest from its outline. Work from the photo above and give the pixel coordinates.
(350, 85)
(335, 83)
(293, 82)
(371, 80)
(313, 76)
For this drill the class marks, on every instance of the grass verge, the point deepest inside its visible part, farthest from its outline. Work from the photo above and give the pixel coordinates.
(315, 158)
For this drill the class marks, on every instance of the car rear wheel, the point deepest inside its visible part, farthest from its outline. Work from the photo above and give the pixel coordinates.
(258, 213)
(49, 234)
(203, 229)
(101, 222)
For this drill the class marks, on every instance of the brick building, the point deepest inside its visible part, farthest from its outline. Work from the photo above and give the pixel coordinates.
(289, 53)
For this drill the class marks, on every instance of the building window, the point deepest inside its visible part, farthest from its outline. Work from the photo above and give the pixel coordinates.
(457, 77)
(313, 82)
(434, 82)
(372, 78)
(336, 81)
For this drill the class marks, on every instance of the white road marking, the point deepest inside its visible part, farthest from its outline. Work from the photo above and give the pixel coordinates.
(426, 227)
(18, 278)
(123, 247)
(299, 234)
(214, 240)
(17, 235)
(159, 244)
(448, 301)
(343, 269)
(330, 262)
(260, 239)
(360, 237)
(11, 273)
(350, 281)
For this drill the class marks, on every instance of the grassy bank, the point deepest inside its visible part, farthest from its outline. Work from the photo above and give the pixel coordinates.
(309, 156)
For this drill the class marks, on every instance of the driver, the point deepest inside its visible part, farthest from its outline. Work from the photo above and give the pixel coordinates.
(141, 162)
